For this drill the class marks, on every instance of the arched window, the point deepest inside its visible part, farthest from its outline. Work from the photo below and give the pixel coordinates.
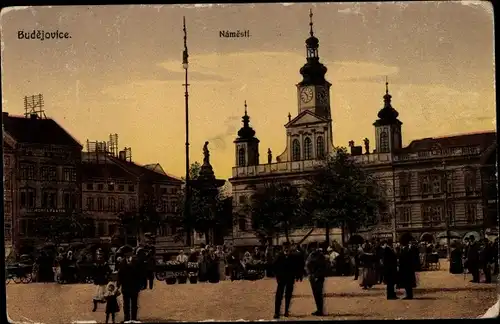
(384, 142)
(295, 150)
(241, 157)
(320, 147)
(307, 148)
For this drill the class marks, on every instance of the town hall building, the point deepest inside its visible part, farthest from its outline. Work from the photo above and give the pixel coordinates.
(431, 185)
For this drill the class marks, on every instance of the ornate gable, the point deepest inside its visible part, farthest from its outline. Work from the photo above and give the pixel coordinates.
(305, 118)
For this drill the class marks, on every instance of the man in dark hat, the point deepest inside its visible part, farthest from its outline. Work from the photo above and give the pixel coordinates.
(316, 265)
(473, 259)
(390, 269)
(406, 275)
(285, 270)
(129, 279)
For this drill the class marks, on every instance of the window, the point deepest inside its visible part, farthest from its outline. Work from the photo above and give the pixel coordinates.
(7, 209)
(131, 203)
(404, 216)
(242, 199)
(67, 201)
(7, 231)
(241, 157)
(426, 215)
(101, 229)
(164, 191)
(404, 185)
(28, 198)
(27, 171)
(90, 186)
(470, 213)
(295, 150)
(112, 229)
(111, 187)
(436, 184)
(449, 182)
(320, 147)
(6, 161)
(121, 187)
(437, 215)
(90, 203)
(173, 206)
(307, 148)
(470, 182)
(100, 186)
(242, 224)
(165, 207)
(49, 199)
(121, 204)
(111, 204)
(44, 173)
(450, 213)
(68, 174)
(53, 173)
(384, 142)
(131, 188)
(424, 185)
(100, 203)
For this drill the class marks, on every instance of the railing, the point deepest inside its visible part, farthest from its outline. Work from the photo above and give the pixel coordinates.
(280, 167)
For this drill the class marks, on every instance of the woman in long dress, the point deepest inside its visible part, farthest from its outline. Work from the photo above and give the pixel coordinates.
(221, 258)
(368, 273)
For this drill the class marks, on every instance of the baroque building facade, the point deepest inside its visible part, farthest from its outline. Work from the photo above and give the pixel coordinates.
(308, 140)
(42, 174)
(114, 185)
(431, 185)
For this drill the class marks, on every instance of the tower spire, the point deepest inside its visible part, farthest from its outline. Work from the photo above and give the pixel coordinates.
(246, 131)
(246, 108)
(387, 96)
(311, 32)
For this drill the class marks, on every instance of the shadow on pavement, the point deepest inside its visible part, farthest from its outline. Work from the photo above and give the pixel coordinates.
(433, 290)
(156, 320)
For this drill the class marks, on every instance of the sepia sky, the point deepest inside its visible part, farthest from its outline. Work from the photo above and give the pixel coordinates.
(120, 72)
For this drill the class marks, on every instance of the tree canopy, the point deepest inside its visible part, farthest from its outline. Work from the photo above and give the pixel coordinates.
(342, 194)
(63, 228)
(275, 208)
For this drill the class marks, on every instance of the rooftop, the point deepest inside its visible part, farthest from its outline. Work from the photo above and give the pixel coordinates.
(37, 131)
(482, 139)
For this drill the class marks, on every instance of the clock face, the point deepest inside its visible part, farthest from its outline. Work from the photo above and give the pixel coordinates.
(306, 94)
(322, 96)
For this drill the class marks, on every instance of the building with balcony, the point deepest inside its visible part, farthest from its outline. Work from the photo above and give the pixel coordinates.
(42, 174)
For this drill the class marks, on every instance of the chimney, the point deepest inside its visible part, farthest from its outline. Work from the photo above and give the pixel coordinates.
(33, 116)
(121, 155)
(356, 150)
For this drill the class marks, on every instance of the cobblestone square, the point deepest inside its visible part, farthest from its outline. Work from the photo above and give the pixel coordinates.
(439, 295)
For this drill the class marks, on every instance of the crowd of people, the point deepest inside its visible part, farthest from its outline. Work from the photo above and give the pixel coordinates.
(372, 263)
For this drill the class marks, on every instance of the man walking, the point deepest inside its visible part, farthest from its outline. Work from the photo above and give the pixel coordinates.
(130, 281)
(406, 275)
(473, 259)
(389, 269)
(285, 269)
(316, 267)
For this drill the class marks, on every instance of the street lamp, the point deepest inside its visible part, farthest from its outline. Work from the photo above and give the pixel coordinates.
(446, 220)
(185, 65)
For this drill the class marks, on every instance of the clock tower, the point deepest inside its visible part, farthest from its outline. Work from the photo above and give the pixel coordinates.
(313, 92)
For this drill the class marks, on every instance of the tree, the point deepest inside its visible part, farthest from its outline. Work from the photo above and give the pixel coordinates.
(62, 228)
(275, 208)
(341, 194)
(208, 211)
(145, 219)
